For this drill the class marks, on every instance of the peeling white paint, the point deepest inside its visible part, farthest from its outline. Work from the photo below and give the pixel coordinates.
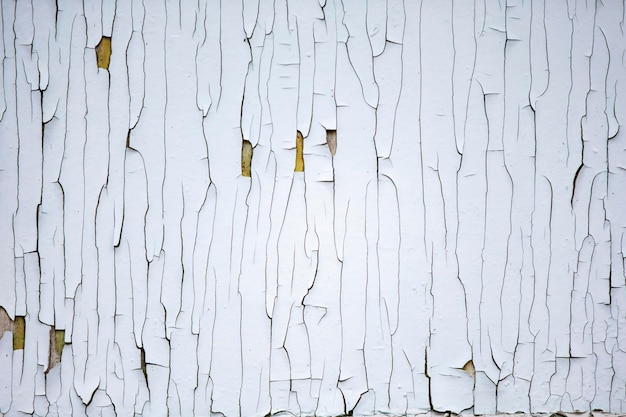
(451, 241)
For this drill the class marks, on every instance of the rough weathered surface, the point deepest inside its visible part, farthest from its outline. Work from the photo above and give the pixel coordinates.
(314, 207)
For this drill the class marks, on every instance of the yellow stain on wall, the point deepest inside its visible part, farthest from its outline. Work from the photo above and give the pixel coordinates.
(246, 159)
(103, 52)
(299, 158)
(19, 332)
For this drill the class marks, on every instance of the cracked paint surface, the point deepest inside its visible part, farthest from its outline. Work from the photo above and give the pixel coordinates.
(319, 207)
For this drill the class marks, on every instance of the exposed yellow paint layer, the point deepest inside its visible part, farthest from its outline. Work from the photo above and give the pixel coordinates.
(19, 332)
(103, 52)
(299, 158)
(59, 342)
(246, 159)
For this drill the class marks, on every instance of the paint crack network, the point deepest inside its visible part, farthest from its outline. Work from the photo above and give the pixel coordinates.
(312, 208)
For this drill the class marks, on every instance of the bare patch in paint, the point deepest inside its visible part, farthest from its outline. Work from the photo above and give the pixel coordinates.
(469, 368)
(103, 52)
(19, 332)
(57, 341)
(299, 157)
(246, 159)
(6, 324)
(331, 141)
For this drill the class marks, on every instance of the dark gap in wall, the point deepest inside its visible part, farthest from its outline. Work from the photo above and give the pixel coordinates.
(143, 362)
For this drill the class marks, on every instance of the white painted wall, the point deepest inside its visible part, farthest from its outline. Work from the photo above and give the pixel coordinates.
(458, 244)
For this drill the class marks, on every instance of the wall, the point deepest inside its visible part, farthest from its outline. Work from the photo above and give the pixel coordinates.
(321, 207)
